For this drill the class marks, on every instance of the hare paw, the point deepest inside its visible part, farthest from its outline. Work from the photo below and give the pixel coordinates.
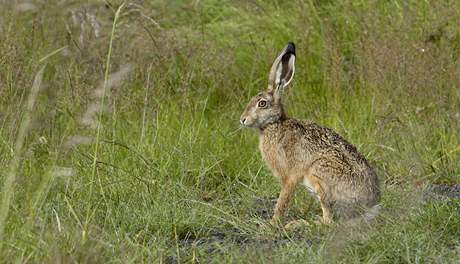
(323, 221)
(296, 224)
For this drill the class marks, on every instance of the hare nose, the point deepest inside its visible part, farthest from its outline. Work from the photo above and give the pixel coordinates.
(243, 120)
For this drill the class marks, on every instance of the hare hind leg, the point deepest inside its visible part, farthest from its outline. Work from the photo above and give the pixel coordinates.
(326, 207)
(326, 172)
(315, 187)
(324, 200)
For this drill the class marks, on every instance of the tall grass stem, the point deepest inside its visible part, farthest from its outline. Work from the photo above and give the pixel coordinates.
(99, 123)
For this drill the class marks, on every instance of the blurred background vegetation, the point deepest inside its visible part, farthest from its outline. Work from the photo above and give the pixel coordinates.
(132, 150)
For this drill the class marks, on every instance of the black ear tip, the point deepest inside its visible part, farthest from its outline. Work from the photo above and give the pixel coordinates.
(290, 48)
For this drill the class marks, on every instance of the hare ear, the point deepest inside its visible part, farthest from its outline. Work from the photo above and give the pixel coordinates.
(282, 70)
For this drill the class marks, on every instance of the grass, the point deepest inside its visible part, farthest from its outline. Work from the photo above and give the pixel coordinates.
(156, 168)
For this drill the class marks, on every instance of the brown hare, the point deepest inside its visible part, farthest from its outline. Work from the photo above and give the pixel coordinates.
(298, 151)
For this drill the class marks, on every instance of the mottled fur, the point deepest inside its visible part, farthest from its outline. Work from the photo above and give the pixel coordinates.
(299, 151)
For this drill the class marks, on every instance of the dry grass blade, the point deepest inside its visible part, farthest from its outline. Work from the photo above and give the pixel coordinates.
(7, 190)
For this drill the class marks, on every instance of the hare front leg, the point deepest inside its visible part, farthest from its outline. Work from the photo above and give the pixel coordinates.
(287, 191)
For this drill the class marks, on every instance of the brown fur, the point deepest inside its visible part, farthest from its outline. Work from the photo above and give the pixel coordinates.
(298, 151)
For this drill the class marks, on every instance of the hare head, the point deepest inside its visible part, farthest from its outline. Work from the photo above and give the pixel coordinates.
(266, 107)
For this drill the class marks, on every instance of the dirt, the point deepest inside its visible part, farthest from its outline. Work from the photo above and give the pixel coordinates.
(237, 237)
(263, 207)
(443, 191)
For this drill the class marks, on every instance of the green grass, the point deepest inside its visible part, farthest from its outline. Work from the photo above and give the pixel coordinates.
(158, 170)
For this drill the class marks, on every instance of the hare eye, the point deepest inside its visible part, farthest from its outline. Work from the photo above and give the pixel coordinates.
(262, 103)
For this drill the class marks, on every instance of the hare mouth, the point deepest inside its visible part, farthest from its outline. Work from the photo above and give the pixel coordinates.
(247, 125)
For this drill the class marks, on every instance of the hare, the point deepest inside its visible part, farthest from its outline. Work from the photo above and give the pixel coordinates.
(297, 151)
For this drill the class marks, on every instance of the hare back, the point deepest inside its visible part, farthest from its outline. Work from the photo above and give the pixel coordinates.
(292, 142)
